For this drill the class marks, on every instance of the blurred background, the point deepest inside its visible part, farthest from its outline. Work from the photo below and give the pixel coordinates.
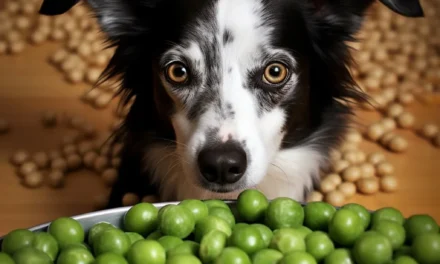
(53, 157)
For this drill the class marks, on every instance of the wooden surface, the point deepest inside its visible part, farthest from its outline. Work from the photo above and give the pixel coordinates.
(29, 86)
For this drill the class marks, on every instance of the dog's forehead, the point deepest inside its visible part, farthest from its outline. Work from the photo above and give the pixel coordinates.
(242, 27)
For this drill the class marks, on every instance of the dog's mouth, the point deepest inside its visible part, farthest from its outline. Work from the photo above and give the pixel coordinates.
(221, 188)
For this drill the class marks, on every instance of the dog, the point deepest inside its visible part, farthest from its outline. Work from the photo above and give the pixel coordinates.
(230, 94)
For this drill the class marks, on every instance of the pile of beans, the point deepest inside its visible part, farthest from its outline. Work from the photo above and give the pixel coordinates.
(254, 230)
(82, 56)
(398, 62)
(353, 171)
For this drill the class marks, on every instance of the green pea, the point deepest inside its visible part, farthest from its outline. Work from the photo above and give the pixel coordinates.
(146, 251)
(177, 221)
(133, 237)
(247, 239)
(287, 240)
(233, 255)
(169, 242)
(210, 223)
(47, 244)
(183, 259)
(141, 218)
(30, 255)
(198, 208)
(187, 247)
(224, 214)
(265, 232)
(112, 240)
(66, 231)
(96, 230)
(6, 259)
(110, 258)
(75, 255)
(267, 256)
(317, 215)
(212, 245)
(252, 205)
(16, 240)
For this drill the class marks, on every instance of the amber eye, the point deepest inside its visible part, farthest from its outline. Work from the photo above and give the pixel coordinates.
(275, 73)
(177, 73)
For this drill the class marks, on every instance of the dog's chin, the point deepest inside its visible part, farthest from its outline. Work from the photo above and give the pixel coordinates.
(221, 188)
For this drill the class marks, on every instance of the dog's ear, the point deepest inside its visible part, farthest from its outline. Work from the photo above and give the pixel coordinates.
(347, 15)
(408, 8)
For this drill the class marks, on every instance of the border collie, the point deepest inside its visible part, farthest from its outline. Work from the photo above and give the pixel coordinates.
(230, 94)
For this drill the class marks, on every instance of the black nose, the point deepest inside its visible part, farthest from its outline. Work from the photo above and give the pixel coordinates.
(223, 163)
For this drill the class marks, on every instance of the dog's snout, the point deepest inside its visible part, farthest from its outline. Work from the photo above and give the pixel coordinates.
(223, 163)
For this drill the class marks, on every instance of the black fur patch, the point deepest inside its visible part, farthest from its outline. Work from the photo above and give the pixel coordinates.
(227, 37)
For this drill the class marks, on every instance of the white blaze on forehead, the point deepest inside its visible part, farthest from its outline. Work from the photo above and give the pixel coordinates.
(242, 20)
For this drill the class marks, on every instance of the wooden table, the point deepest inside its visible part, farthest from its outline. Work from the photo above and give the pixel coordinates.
(29, 85)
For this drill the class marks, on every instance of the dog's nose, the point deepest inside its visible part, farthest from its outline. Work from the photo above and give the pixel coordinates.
(223, 163)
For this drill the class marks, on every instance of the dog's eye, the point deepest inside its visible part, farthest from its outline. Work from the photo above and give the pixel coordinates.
(177, 73)
(275, 73)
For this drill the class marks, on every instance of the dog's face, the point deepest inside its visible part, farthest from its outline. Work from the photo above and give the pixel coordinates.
(237, 80)
(228, 76)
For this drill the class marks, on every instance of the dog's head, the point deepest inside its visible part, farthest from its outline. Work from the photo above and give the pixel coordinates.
(238, 80)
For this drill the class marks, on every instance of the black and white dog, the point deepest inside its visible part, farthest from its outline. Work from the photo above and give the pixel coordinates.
(230, 94)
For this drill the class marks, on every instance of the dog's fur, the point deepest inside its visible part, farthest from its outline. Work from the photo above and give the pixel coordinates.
(287, 131)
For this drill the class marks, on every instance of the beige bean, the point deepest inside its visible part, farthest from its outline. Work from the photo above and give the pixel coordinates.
(351, 174)
(56, 179)
(103, 100)
(367, 170)
(17, 47)
(335, 155)
(89, 159)
(406, 120)
(395, 110)
(388, 184)
(376, 158)
(74, 162)
(398, 144)
(429, 131)
(101, 163)
(109, 176)
(27, 168)
(19, 157)
(386, 138)
(384, 168)
(340, 165)
(69, 149)
(368, 186)
(75, 75)
(33, 180)
(354, 137)
(335, 198)
(41, 159)
(388, 124)
(59, 164)
(348, 189)
(334, 178)
(327, 185)
(54, 154)
(154, 199)
(375, 131)
(130, 199)
(350, 156)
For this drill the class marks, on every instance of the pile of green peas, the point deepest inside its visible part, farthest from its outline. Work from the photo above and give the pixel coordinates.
(254, 230)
